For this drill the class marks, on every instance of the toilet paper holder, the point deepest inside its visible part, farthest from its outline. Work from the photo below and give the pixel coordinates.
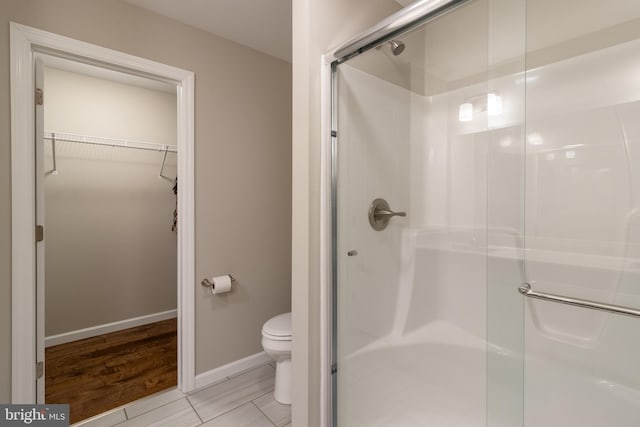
(209, 284)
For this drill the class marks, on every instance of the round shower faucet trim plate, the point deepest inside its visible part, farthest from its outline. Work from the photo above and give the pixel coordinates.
(380, 214)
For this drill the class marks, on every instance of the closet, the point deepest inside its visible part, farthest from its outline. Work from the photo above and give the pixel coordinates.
(110, 254)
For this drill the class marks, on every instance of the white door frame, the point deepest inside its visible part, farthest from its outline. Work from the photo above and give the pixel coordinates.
(25, 41)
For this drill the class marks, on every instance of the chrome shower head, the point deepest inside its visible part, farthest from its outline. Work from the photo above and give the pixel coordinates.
(397, 47)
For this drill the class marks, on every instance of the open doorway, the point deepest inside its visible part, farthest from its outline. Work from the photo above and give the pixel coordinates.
(109, 184)
(28, 294)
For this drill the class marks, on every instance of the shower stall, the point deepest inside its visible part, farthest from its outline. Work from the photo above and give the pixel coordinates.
(486, 218)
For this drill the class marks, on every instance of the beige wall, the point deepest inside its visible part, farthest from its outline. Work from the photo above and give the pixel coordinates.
(318, 26)
(243, 163)
(110, 254)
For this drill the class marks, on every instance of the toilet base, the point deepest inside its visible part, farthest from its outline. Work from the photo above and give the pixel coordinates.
(282, 391)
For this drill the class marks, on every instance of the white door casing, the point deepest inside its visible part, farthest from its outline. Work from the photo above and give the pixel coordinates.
(26, 341)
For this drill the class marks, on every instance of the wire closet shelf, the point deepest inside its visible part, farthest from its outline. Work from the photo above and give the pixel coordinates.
(109, 142)
(112, 142)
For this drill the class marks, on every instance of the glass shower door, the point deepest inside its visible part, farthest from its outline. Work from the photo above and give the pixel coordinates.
(583, 222)
(428, 199)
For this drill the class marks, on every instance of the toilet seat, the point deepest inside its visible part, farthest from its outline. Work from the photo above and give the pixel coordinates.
(278, 328)
(275, 337)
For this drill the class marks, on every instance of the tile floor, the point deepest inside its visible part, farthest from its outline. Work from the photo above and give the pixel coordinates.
(243, 400)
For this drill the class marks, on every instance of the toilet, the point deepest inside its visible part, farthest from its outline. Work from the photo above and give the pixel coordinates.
(276, 341)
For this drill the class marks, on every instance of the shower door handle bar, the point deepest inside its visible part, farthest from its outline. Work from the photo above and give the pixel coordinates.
(526, 290)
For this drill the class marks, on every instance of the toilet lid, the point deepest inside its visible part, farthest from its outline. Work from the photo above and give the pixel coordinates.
(279, 326)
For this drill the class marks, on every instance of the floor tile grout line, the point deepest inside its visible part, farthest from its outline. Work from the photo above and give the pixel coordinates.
(262, 412)
(194, 410)
(158, 407)
(84, 422)
(228, 378)
(252, 382)
(168, 403)
(154, 408)
(234, 408)
(235, 390)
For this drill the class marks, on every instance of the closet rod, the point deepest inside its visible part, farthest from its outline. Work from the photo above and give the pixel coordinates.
(111, 142)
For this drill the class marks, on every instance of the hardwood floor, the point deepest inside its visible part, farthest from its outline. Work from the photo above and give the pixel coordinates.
(101, 373)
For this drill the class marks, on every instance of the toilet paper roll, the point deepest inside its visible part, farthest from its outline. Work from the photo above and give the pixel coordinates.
(221, 284)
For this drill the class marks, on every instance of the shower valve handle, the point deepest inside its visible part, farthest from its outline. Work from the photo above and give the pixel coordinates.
(380, 214)
(384, 213)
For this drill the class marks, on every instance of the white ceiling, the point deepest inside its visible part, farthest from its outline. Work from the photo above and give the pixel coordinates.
(264, 25)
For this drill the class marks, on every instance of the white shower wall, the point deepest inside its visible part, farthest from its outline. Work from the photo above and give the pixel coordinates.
(373, 166)
(406, 287)
(417, 155)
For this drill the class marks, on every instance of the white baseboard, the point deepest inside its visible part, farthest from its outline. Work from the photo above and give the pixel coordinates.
(210, 377)
(107, 328)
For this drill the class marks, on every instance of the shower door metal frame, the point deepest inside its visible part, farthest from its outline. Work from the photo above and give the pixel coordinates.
(333, 361)
(401, 22)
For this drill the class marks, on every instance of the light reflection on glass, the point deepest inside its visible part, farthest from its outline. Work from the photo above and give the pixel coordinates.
(535, 139)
